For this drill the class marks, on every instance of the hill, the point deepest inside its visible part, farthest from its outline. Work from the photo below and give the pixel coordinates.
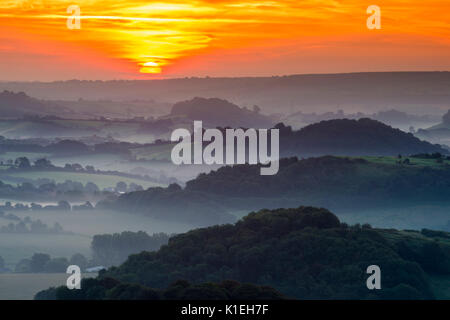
(171, 204)
(329, 180)
(445, 124)
(407, 91)
(13, 105)
(304, 253)
(217, 112)
(357, 187)
(439, 133)
(363, 137)
(340, 137)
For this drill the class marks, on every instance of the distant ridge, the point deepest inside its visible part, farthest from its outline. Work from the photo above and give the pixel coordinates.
(369, 91)
(13, 105)
(218, 112)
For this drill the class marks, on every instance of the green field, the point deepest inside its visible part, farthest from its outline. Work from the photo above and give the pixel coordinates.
(101, 180)
(23, 286)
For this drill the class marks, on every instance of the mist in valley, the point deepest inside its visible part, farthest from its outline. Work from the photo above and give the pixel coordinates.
(94, 182)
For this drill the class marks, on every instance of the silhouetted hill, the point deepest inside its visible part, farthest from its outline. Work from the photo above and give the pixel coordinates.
(351, 137)
(14, 105)
(217, 112)
(304, 253)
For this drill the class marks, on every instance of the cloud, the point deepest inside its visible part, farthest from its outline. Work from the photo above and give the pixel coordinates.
(169, 32)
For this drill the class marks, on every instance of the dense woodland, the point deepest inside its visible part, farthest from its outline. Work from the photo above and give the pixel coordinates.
(304, 253)
(112, 289)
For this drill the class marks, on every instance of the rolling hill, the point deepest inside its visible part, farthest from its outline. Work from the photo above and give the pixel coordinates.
(13, 105)
(363, 137)
(404, 187)
(220, 113)
(407, 91)
(305, 253)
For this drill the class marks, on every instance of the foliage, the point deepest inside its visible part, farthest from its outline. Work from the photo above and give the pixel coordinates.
(111, 289)
(113, 249)
(350, 137)
(304, 253)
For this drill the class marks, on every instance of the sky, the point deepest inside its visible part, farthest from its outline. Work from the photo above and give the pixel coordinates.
(138, 39)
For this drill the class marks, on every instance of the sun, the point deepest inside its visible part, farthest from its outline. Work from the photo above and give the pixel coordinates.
(150, 67)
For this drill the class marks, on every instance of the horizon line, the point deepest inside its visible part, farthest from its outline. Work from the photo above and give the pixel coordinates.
(224, 77)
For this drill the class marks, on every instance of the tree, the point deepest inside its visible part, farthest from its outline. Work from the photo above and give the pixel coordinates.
(135, 187)
(64, 205)
(77, 167)
(2, 263)
(91, 187)
(56, 265)
(38, 262)
(121, 187)
(43, 163)
(22, 163)
(79, 260)
(23, 266)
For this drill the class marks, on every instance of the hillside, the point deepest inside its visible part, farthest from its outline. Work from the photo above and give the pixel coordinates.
(217, 112)
(404, 188)
(351, 137)
(312, 256)
(13, 105)
(445, 124)
(340, 137)
(328, 178)
(439, 133)
(172, 204)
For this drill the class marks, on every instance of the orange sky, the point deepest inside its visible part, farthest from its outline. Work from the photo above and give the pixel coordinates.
(144, 39)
